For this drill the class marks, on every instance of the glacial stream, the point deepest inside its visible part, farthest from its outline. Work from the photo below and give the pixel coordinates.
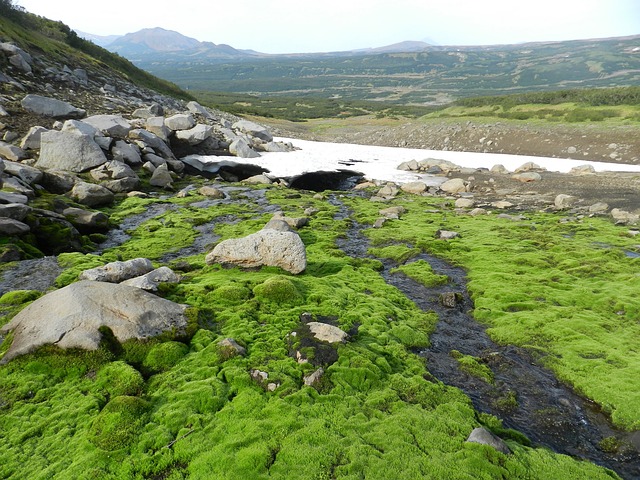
(526, 397)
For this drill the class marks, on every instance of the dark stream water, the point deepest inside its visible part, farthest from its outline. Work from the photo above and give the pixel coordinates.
(526, 396)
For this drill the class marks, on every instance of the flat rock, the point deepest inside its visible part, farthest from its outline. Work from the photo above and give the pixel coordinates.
(180, 121)
(253, 129)
(70, 317)
(327, 333)
(11, 152)
(195, 135)
(16, 211)
(10, 227)
(151, 281)
(91, 195)
(116, 272)
(31, 141)
(27, 174)
(110, 125)
(51, 107)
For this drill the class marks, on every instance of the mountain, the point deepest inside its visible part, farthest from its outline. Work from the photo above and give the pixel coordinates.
(154, 43)
(100, 40)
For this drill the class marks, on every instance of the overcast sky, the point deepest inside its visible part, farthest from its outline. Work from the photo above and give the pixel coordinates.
(295, 26)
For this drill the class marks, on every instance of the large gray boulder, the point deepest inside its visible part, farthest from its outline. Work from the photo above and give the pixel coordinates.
(157, 126)
(151, 140)
(274, 245)
(455, 185)
(15, 211)
(69, 152)
(70, 317)
(110, 125)
(196, 108)
(51, 107)
(10, 227)
(253, 129)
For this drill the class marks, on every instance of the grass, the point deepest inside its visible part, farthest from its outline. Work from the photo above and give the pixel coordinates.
(168, 409)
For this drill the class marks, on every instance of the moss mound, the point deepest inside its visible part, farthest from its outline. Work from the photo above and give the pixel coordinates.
(165, 355)
(278, 289)
(119, 423)
(119, 378)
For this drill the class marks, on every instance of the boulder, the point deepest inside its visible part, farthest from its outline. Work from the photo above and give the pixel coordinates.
(8, 197)
(150, 281)
(80, 128)
(125, 152)
(116, 272)
(527, 177)
(389, 191)
(268, 247)
(622, 217)
(180, 121)
(86, 221)
(110, 125)
(455, 185)
(277, 147)
(31, 141)
(502, 204)
(10, 227)
(583, 170)
(416, 188)
(599, 207)
(464, 203)
(410, 166)
(153, 141)
(153, 110)
(563, 201)
(253, 129)
(57, 181)
(157, 126)
(261, 179)
(11, 152)
(499, 169)
(196, 108)
(195, 135)
(240, 148)
(91, 195)
(327, 333)
(232, 346)
(211, 192)
(161, 177)
(27, 174)
(293, 222)
(50, 107)
(15, 211)
(392, 213)
(484, 437)
(69, 152)
(72, 316)
(446, 234)
(529, 167)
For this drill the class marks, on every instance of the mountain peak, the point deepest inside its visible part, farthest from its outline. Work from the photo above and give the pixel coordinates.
(149, 40)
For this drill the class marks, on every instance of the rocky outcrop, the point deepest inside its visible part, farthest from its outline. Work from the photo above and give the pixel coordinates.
(276, 245)
(72, 317)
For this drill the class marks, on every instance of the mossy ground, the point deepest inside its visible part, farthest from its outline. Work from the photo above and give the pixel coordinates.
(188, 410)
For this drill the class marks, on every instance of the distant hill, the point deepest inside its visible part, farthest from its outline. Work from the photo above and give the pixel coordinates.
(151, 44)
(408, 73)
(100, 40)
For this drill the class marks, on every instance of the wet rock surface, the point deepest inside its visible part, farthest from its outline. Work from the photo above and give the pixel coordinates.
(525, 396)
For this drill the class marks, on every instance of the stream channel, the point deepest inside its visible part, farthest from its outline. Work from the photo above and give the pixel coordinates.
(525, 396)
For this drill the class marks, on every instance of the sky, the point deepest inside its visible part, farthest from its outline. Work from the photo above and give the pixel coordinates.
(299, 26)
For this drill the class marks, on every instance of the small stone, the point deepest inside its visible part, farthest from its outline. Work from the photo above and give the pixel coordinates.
(485, 437)
(446, 235)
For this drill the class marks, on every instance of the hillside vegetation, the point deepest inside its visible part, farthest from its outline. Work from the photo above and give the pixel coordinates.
(422, 78)
(58, 42)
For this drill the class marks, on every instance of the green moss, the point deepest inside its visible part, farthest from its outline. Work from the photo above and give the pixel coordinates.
(165, 355)
(473, 366)
(119, 378)
(279, 290)
(119, 423)
(421, 272)
(397, 253)
(232, 294)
